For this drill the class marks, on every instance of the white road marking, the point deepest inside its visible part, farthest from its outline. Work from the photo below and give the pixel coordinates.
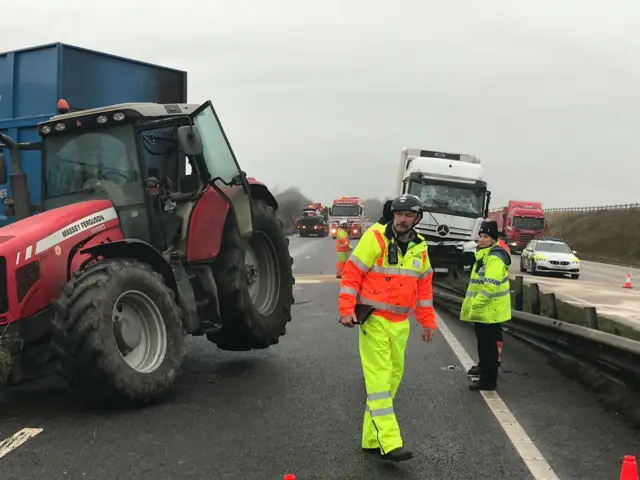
(17, 439)
(537, 465)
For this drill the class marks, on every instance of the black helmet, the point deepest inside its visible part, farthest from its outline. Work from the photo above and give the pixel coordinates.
(406, 203)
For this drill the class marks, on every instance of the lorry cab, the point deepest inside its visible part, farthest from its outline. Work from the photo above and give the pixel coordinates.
(351, 210)
(455, 199)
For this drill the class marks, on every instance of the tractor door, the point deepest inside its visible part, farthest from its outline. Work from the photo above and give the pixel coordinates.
(223, 167)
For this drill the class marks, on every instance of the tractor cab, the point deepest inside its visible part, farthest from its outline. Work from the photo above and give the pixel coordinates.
(136, 156)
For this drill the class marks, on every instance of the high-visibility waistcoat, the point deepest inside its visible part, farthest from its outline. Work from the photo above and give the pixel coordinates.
(342, 241)
(394, 290)
(488, 298)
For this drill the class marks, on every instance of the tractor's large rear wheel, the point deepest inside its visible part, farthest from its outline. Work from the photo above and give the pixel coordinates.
(118, 334)
(255, 282)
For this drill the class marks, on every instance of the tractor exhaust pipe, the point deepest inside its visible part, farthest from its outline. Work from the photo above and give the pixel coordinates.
(20, 201)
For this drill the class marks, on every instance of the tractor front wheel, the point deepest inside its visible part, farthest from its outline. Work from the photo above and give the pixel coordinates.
(255, 282)
(118, 335)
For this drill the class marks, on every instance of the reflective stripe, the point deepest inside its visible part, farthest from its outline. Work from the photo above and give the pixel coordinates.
(489, 295)
(395, 271)
(426, 273)
(383, 306)
(349, 291)
(378, 396)
(380, 412)
(481, 280)
(359, 263)
(425, 303)
(383, 246)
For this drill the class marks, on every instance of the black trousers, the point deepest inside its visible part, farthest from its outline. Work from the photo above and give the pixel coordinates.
(488, 335)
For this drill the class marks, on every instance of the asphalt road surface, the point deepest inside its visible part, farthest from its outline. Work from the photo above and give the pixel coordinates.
(595, 272)
(599, 285)
(297, 408)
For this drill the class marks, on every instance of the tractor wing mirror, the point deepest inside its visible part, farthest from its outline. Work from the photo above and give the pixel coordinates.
(189, 141)
(3, 168)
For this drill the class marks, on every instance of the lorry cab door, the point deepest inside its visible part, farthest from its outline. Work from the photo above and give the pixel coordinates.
(223, 167)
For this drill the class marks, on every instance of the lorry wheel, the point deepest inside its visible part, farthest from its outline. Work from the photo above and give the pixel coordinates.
(255, 282)
(118, 335)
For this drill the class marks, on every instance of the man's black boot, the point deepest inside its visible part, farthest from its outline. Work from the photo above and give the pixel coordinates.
(476, 370)
(397, 455)
(478, 385)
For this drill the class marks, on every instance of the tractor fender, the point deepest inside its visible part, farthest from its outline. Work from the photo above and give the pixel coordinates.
(138, 250)
(173, 272)
(260, 191)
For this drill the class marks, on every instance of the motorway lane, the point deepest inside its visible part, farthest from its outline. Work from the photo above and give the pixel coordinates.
(599, 285)
(595, 272)
(297, 408)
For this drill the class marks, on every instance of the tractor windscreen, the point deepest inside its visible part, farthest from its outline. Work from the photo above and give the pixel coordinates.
(94, 164)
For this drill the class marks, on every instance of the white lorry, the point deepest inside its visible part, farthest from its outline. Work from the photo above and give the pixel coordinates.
(455, 200)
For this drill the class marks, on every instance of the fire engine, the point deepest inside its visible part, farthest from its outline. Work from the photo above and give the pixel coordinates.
(349, 209)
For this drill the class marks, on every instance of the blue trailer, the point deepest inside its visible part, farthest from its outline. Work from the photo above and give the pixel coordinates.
(32, 81)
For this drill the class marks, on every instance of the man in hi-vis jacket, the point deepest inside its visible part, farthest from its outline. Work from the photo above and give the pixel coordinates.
(390, 271)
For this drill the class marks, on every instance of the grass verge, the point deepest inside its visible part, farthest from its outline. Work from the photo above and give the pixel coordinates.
(607, 236)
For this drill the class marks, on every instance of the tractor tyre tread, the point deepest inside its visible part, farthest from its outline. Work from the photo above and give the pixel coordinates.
(243, 326)
(83, 342)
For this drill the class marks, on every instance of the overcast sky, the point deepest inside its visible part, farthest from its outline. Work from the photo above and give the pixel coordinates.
(324, 94)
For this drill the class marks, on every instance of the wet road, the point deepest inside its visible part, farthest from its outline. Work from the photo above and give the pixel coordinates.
(297, 408)
(594, 272)
(599, 285)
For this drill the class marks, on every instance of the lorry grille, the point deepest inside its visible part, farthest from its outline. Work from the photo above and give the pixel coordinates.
(4, 302)
(526, 238)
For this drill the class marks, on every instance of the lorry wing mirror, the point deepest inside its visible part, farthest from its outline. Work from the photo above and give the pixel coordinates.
(3, 168)
(189, 140)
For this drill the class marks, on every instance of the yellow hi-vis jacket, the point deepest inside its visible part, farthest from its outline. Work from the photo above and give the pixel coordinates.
(488, 298)
(394, 290)
(342, 241)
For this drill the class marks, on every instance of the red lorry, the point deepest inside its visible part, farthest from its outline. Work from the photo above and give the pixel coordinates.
(519, 223)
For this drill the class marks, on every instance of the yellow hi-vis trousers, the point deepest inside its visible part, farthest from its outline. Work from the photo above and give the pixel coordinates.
(382, 347)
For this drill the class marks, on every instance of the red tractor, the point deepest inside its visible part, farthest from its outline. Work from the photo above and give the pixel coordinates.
(131, 252)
